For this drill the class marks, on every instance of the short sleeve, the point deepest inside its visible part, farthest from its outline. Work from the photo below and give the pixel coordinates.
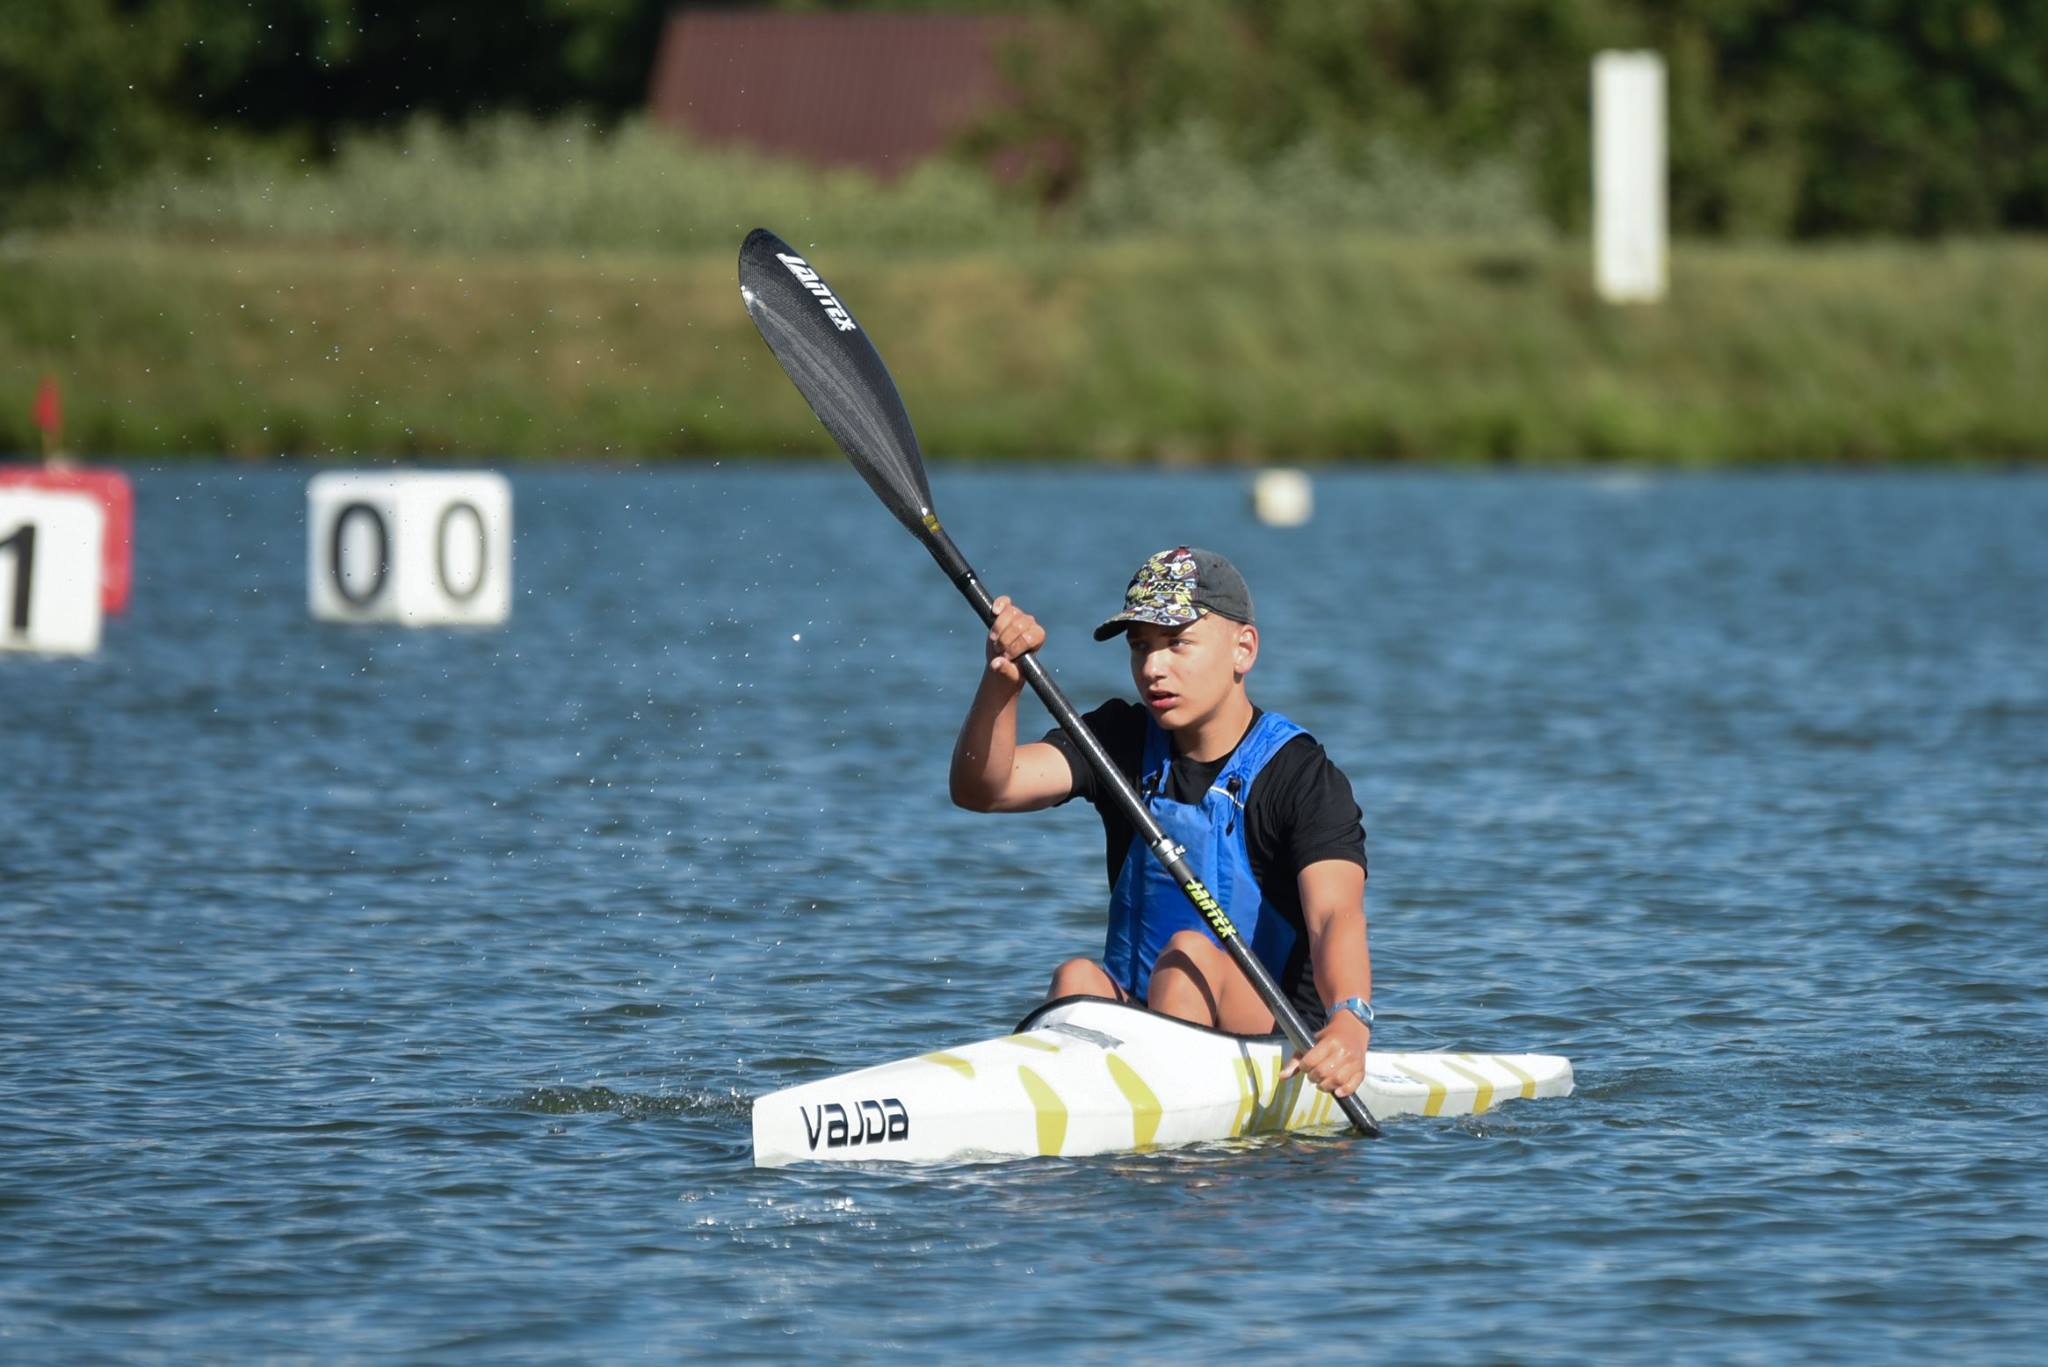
(1120, 727)
(1310, 812)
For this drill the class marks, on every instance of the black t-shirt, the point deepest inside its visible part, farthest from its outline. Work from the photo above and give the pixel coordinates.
(1301, 811)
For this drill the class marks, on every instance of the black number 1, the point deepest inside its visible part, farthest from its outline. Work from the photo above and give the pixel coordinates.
(23, 544)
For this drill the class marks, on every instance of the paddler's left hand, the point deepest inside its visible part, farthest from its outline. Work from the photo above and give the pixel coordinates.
(1336, 1062)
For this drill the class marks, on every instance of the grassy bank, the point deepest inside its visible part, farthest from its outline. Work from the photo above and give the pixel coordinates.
(1309, 349)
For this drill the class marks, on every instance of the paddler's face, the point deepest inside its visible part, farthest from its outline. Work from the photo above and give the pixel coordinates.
(1184, 674)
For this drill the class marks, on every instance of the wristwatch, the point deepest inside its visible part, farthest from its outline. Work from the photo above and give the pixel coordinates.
(1357, 1006)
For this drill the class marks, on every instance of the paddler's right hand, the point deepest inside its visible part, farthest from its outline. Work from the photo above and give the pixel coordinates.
(1014, 633)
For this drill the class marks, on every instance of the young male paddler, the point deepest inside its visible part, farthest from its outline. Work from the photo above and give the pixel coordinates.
(1268, 822)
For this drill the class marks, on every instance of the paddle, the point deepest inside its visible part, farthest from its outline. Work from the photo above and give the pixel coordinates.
(837, 370)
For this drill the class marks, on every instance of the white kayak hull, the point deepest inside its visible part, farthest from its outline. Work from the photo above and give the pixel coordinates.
(1086, 1076)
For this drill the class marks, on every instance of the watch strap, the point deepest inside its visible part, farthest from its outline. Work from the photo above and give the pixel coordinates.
(1357, 1006)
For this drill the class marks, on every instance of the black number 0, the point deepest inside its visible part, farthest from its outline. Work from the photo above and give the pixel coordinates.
(376, 587)
(23, 544)
(483, 546)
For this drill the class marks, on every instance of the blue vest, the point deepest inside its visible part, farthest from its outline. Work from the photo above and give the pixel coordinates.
(1148, 908)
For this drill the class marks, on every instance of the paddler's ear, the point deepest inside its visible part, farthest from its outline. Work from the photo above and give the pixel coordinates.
(1245, 653)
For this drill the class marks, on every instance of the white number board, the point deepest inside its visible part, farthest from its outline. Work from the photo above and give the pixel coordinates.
(416, 548)
(50, 572)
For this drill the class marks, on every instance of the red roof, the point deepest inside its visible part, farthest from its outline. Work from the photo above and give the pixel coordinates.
(882, 91)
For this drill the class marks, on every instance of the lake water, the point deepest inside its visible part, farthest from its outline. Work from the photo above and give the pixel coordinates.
(375, 993)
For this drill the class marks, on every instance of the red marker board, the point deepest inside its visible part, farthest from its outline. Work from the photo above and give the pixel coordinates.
(111, 489)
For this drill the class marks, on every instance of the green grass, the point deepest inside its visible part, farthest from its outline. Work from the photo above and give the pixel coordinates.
(510, 183)
(1299, 347)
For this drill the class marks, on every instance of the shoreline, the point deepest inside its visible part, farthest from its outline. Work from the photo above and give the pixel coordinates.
(1314, 351)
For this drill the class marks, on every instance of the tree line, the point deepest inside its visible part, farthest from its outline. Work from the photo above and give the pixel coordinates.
(1824, 118)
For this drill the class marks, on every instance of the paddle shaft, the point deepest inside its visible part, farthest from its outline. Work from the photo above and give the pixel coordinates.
(1162, 845)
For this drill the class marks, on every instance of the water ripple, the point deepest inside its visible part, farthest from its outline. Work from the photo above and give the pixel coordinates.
(378, 994)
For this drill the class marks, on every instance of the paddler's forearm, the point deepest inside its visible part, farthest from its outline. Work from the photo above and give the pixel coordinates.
(1333, 907)
(1342, 961)
(985, 755)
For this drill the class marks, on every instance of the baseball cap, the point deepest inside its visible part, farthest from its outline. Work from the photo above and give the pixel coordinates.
(1178, 586)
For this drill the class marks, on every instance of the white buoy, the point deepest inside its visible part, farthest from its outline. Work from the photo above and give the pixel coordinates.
(415, 548)
(1628, 177)
(50, 564)
(1283, 498)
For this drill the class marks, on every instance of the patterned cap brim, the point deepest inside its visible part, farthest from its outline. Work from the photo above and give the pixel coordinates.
(1154, 616)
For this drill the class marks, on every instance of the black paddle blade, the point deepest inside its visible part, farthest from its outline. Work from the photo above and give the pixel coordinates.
(838, 372)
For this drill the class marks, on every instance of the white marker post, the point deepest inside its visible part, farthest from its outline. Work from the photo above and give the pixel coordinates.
(418, 549)
(50, 572)
(1628, 177)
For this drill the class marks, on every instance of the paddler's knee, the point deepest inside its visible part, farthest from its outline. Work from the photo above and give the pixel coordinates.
(1082, 978)
(1182, 978)
(1196, 948)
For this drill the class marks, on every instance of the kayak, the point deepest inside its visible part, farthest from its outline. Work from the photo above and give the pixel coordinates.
(1084, 1075)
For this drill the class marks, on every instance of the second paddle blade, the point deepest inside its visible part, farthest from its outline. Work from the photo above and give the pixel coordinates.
(837, 370)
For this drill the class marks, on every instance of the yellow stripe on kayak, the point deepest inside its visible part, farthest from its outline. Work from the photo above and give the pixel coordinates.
(1144, 1101)
(953, 1061)
(1318, 1109)
(1052, 1112)
(1286, 1098)
(1437, 1090)
(1247, 1093)
(1484, 1098)
(1030, 1043)
(1270, 1100)
(1528, 1082)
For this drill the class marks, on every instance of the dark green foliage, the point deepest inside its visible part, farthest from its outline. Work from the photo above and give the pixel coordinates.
(86, 95)
(1858, 116)
(1851, 117)
(93, 90)
(1820, 118)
